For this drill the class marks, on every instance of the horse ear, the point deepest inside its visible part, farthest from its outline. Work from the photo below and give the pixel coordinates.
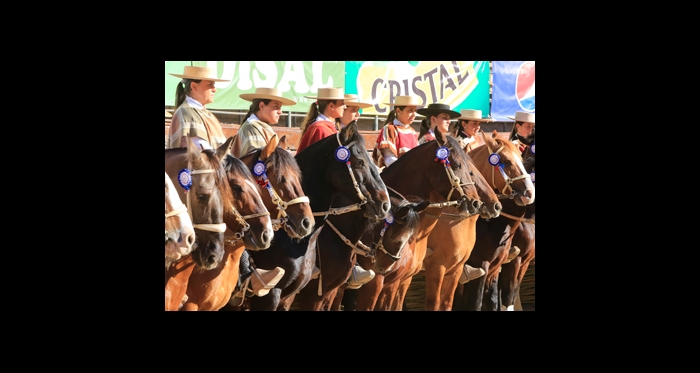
(348, 132)
(283, 142)
(225, 148)
(269, 148)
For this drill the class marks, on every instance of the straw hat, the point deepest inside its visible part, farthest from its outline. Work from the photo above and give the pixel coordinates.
(405, 101)
(167, 114)
(199, 73)
(474, 115)
(329, 94)
(351, 100)
(435, 109)
(267, 93)
(521, 116)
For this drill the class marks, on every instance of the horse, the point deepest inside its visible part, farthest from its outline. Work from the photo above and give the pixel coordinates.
(513, 272)
(279, 180)
(442, 167)
(249, 226)
(344, 187)
(179, 231)
(205, 190)
(501, 163)
(451, 242)
(386, 251)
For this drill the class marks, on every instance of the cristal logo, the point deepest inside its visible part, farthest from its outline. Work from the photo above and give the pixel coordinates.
(525, 86)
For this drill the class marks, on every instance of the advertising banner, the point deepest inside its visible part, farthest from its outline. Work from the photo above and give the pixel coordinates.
(295, 79)
(513, 88)
(460, 84)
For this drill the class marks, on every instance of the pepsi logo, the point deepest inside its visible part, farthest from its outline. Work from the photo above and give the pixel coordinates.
(525, 86)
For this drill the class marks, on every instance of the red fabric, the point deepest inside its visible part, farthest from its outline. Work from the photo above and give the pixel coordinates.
(316, 131)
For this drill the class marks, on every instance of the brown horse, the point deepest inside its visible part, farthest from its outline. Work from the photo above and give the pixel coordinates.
(345, 188)
(206, 194)
(442, 167)
(450, 244)
(501, 163)
(249, 227)
(513, 272)
(279, 180)
(179, 231)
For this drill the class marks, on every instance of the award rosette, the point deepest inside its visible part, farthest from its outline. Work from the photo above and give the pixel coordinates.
(184, 178)
(342, 154)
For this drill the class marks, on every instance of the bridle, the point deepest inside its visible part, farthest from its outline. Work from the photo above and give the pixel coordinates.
(282, 217)
(495, 160)
(442, 156)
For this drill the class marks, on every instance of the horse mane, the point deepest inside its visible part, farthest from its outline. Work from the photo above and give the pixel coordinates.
(281, 160)
(497, 142)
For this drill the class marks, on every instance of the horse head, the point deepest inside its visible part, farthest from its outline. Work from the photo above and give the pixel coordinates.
(507, 169)
(279, 178)
(340, 164)
(491, 206)
(179, 231)
(456, 163)
(206, 193)
(396, 230)
(249, 218)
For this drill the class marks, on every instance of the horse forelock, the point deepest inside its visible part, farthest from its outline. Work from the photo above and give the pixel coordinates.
(285, 164)
(220, 177)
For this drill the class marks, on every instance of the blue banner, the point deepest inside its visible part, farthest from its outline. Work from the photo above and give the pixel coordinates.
(513, 89)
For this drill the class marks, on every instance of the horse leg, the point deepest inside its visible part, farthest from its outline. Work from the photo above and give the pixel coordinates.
(338, 298)
(367, 296)
(449, 286)
(508, 284)
(490, 298)
(397, 302)
(472, 292)
(433, 283)
(286, 303)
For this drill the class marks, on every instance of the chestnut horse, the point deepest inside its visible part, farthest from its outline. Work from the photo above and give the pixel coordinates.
(279, 180)
(501, 163)
(513, 272)
(179, 231)
(441, 168)
(249, 227)
(345, 188)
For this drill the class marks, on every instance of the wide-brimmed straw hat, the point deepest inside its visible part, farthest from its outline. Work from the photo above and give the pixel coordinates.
(267, 93)
(474, 115)
(199, 73)
(435, 109)
(521, 116)
(405, 101)
(351, 100)
(329, 94)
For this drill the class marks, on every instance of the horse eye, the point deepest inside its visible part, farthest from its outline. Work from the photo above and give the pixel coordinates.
(282, 179)
(360, 163)
(203, 197)
(237, 188)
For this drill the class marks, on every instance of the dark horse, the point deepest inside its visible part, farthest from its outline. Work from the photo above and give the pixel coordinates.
(387, 240)
(279, 180)
(494, 236)
(345, 188)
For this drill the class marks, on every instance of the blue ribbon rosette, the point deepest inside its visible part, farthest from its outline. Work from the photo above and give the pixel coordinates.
(184, 178)
(342, 154)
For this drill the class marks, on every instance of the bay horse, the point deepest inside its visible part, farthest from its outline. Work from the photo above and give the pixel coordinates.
(279, 180)
(441, 167)
(501, 163)
(513, 272)
(385, 253)
(345, 188)
(249, 226)
(179, 231)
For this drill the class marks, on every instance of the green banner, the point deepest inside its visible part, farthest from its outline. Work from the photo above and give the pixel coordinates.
(295, 79)
(460, 84)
